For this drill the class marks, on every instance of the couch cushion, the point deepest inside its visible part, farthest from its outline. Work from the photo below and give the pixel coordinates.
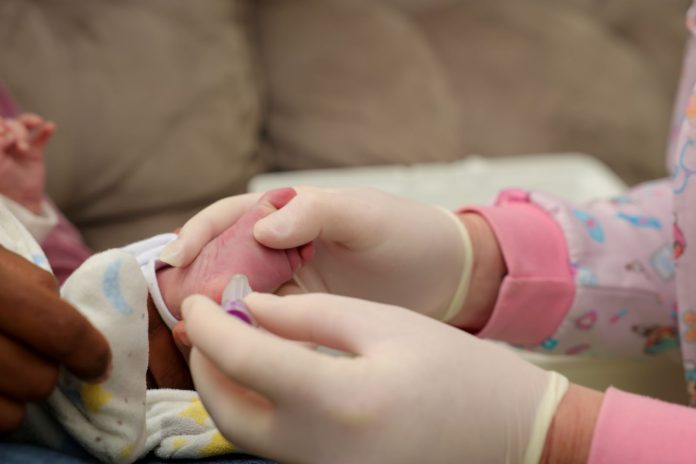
(580, 75)
(351, 83)
(156, 106)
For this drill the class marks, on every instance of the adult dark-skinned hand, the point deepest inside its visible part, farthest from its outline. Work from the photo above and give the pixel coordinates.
(39, 332)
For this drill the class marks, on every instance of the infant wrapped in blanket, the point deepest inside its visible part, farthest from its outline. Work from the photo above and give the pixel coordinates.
(122, 419)
(148, 403)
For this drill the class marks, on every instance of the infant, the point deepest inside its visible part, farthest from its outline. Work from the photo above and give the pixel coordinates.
(125, 417)
(22, 174)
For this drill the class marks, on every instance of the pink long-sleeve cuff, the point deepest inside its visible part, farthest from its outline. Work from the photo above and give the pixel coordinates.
(538, 289)
(637, 429)
(64, 248)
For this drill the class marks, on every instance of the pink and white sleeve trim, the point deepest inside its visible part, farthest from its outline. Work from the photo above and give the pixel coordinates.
(538, 289)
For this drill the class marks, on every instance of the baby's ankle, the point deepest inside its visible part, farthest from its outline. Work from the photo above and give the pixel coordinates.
(169, 282)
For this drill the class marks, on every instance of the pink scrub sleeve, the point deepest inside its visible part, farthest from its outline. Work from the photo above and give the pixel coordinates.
(536, 293)
(641, 430)
(592, 279)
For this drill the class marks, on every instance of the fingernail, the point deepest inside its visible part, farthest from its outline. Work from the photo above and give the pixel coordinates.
(104, 377)
(172, 254)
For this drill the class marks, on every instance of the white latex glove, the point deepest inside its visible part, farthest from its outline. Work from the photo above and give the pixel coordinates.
(368, 244)
(416, 390)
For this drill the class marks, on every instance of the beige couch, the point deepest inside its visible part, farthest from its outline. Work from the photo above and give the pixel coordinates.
(165, 105)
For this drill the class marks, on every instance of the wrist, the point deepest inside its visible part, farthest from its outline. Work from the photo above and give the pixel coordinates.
(569, 437)
(29, 202)
(487, 274)
(31, 198)
(35, 206)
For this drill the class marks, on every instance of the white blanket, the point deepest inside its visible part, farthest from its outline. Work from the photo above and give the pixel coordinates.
(118, 420)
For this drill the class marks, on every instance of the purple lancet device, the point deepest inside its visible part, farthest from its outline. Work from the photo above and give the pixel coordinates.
(233, 299)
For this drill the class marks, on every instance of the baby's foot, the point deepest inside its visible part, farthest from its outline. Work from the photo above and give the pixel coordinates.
(235, 251)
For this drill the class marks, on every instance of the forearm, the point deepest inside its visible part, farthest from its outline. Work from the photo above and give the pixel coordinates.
(569, 438)
(570, 434)
(539, 261)
(487, 275)
(522, 285)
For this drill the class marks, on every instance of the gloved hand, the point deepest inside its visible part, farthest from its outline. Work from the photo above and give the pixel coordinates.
(368, 244)
(415, 390)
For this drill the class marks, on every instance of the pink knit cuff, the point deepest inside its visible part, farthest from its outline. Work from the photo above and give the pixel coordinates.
(538, 290)
(64, 248)
(637, 429)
